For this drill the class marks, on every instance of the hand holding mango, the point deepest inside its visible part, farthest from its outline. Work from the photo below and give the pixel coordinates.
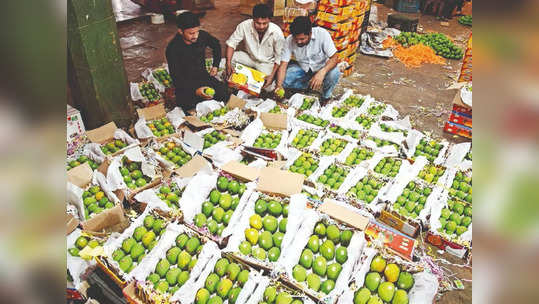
(280, 92)
(209, 92)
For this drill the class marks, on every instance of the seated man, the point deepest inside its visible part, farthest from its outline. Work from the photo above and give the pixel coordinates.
(264, 43)
(316, 57)
(186, 62)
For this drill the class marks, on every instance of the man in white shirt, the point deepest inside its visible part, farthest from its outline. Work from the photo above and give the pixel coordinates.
(316, 57)
(264, 43)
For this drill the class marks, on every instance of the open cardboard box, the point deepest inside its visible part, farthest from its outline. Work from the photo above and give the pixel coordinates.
(104, 135)
(343, 214)
(154, 113)
(233, 102)
(272, 122)
(241, 171)
(279, 182)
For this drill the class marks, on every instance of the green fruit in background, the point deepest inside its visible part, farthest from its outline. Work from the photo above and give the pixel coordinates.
(450, 227)
(181, 240)
(192, 264)
(139, 233)
(75, 252)
(400, 297)
(172, 276)
(372, 280)
(192, 245)
(162, 267)
(375, 300)
(362, 296)
(200, 220)
(261, 207)
(207, 208)
(162, 286)
(137, 250)
(211, 282)
(125, 263)
(299, 273)
(218, 214)
(328, 250)
(327, 286)
(215, 196)
(341, 255)
(466, 221)
(215, 300)
(222, 183)
(127, 244)
(273, 254)
(212, 226)
(333, 233)
(227, 216)
(391, 273)
(154, 278)
(233, 187)
(232, 271)
(278, 239)
(386, 290)
(225, 201)
(224, 287)
(306, 259)
(81, 242)
(259, 253)
(184, 258)
(313, 281)
(158, 225)
(270, 223)
(333, 271)
(251, 235)
(283, 298)
(265, 240)
(148, 222)
(320, 266)
(233, 295)
(313, 244)
(275, 208)
(202, 296)
(118, 254)
(220, 267)
(270, 294)
(245, 248)
(346, 237)
(460, 230)
(405, 281)
(148, 238)
(282, 225)
(89, 201)
(243, 277)
(378, 264)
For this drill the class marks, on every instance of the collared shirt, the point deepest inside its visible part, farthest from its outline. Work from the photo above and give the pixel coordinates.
(314, 55)
(266, 51)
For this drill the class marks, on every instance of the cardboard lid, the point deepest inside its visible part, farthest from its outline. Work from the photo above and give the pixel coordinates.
(102, 134)
(242, 171)
(343, 214)
(277, 164)
(275, 121)
(71, 223)
(80, 176)
(105, 219)
(153, 112)
(236, 102)
(273, 180)
(195, 122)
(192, 167)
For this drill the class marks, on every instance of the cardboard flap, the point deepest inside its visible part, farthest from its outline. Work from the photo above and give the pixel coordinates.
(105, 219)
(71, 223)
(192, 167)
(236, 102)
(277, 181)
(275, 121)
(277, 164)
(235, 133)
(153, 112)
(242, 171)
(195, 122)
(102, 134)
(80, 176)
(344, 214)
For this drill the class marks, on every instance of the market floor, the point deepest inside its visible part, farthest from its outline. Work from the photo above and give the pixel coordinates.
(418, 92)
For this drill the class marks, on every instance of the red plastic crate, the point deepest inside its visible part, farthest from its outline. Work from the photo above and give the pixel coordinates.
(459, 119)
(458, 129)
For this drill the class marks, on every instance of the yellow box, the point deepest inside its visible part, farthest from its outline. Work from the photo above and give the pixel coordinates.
(247, 79)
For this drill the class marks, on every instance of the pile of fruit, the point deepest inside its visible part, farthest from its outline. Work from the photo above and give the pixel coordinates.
(224, 283)
(377, 110)
(465, 20)
(219, 112)
(441, 45)
(95, 201)
(268, 140)
(172, 271)
(275, 109)
(304, 138)
(266, 230)
(81, 243)
(212, 138)
(389, 129)
(455, 218)
(148, 91)
(142, 241)
(113, 146)
(429, 149)
(81, 160)
(321, 261)
(333, 176)
(170, 195)
(412, 200)
(354, 101)
(462, 187)
(366, 190)
(272, 295)
(132, 174)
(388, 166)
(313, 120)
(216, 212)
(332, 146)
(305, 164)
(385, 283)
(174, 153)
(339, 112)
(382, 142)
(357, 156)
(161, 127)
(307, 103)
(365, 121)
(343, 132)
(431, 173)
(163, 77)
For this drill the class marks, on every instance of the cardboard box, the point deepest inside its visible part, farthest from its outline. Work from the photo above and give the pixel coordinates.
(290, 13)
(104, 135)
(341, 43)
(342, 28)
(75, 125)
(247, 79)
(241, 171)
(279, 182)
(336, 2)
(345, 11)
(397, 242)
(71, 223)
(395, 221)
(332, 18)
(343, 214)
(131, 295)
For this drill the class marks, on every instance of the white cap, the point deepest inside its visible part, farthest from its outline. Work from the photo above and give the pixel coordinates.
(304, 1)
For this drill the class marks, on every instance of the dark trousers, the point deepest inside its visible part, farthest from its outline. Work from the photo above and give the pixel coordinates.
(449, 6)
(187, 99)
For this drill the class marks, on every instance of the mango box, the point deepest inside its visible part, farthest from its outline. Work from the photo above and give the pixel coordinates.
(241, 171)
(343, 214)
(345, 11)
(247, 79)
(233, 102)
(279, 182)
(104, 135)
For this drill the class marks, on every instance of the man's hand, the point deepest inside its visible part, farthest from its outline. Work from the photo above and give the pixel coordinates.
(268, 81)
(200, 92)
(317, 81)
(279, 92)
(229, 70)
(213, 71)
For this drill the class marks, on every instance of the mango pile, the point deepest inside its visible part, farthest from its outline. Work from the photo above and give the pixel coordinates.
(462, 187)
(308, 102)
(377, 110)
(343, 132)
(357, 156)
(313, 120)
(272, 295)
(431, 173)
(339, 112)
(161, 127)
(455, 218)
(174, 153)
(171, 195)
(148, 91)
(275, 110)
(333, 146)
(113, 146)
(95, 201)
(132, 174)
(219, 112)
(382, 142)
(390, 129)
(388, 166)
(304, 139)
(81, 160)
(212, 138)
(429, 149)
(305, 164)
(269, 140)
(412, 200)
(81, 243)
(163, 77)
(365, 121)
(366, 190)
(354, 101)
(333, 176)
(223, 284)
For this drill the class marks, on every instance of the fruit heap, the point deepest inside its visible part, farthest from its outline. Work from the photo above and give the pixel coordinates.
(307, 103)
(163, 77)
(81, 160)
(339, 112)
(343, 132)
(143, 240)
(354, 101)
(462, 187)
(388, 166)
(266, 230)
(132, 174)
(274, 296)
(428, 149)
(382, 142)
(268, 140)
(455, 218)
(161, 127)
(431, 173)
(357, 156)
(216, 212)
(172, 271)
(219, 112)
(305, 164)
(148, 91)
(170, 195)
(313, 120)
(412, 200)
(441, 45)
(320, 260)
(377, 109)
(365, 121)
(389, 129)
(212, 138)
(275, 109)
(95, 201)
(333, 176)
(224, 283)
(80, 244)
(385, 283)
(304, 138)
(332, 146)
(366, 189)
(174, 153)
(311, 196)
(113, 146)
(465, 20)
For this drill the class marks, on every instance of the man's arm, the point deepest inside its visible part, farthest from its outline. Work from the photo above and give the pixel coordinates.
(175, 68)
(318, 79)
(213, 43)
(281, 74)
(278, 51)
(285, 58)
(231, 45)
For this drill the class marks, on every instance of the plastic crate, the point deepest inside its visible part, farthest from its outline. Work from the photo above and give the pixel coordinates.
(407, 6)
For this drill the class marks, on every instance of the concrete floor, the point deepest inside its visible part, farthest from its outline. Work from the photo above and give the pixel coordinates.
(418, 92)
